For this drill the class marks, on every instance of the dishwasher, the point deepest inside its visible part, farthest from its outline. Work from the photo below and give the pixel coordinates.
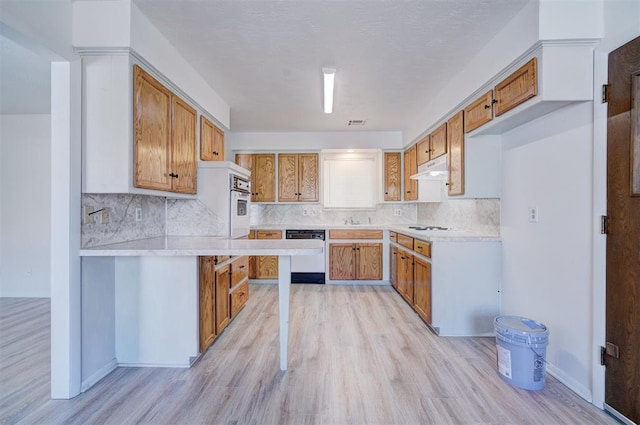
(307, 268)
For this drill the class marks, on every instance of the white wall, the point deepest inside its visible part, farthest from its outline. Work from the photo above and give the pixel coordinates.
(312, 141)
(25, 205)
(547, 164)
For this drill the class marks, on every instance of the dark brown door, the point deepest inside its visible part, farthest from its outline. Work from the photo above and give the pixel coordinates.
(622, 378)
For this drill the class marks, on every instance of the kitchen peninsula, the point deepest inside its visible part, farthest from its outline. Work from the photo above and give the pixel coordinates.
(140, 299)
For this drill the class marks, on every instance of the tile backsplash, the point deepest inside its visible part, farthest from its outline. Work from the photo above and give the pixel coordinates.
(481, 215)
(311, 214)
(161, 216)
(122, 225)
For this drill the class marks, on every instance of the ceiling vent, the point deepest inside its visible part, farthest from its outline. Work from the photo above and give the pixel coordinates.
(356, 122)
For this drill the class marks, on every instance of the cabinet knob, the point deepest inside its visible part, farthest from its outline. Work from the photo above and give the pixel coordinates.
(494, 101)
(487, 106)
(448, 184)
(174, 175)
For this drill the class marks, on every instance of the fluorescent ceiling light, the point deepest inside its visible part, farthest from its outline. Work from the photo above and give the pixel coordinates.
(329, 76)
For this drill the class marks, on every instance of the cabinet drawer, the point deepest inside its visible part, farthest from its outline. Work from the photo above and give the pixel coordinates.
(355, 234)
(239, 297)
(422, 247)
(269, 234)
(239, 270)
(405, 241)
(393, 237)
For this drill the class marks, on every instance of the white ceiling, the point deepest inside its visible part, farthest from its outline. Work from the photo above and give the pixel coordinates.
(265, 57)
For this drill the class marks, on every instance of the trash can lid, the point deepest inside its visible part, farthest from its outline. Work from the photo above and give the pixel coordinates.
(521, 324)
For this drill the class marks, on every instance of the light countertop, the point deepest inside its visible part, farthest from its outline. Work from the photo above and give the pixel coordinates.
(203, 246)
(426, 235)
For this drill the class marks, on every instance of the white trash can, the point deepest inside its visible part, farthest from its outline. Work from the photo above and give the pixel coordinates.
(521, 346)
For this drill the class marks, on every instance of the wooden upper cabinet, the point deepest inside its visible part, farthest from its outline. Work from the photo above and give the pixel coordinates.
(184, 168)
(152, 132)
(478, 112)
(410, 168)
(245, 160)
(517, 87)
(439, 141)
(392, 179)
(263, 175)
(298, 177)
(211, 141)
(455, 142)
(164, 137)
(423, 150)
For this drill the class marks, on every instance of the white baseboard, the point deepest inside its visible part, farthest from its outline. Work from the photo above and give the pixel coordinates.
(176, 365)
(570, 383)
(98, 375)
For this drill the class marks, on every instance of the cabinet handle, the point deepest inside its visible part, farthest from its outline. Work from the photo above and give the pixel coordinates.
(448, 184)
(241, 267)
(487, 106)
(494, 101)
(174, 175)
(215, 153)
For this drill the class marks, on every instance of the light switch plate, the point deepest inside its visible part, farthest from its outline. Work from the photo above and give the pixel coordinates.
(533, 214)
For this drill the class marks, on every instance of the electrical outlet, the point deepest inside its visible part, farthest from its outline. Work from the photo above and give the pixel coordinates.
(104, 216)
(533, 214)
(312, 212)
(397, 212)
(138, 214)
(87, 216)
(305, 211)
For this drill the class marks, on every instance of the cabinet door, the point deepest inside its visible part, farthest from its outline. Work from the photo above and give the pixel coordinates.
(264, 182)
(410, 167)
(392, 176)
(151, 133)
(369, 261)
(517, 88)
(422, 288)
(405, 275)
(423, 149)
(222, 298)
(183, 146)
(308, 177)
(253, 270)
(479, 112)
(245, 160)
(342, 261)
(393, 252)
(207, 303)
(267, 265)
(239, 297)
(288, 177)
(211, 141)
(455, 141)
(439, 141)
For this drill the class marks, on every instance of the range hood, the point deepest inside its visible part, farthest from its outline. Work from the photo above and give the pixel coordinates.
(436, 169)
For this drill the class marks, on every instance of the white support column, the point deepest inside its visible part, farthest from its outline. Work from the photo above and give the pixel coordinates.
(284, 290)
(65, 229)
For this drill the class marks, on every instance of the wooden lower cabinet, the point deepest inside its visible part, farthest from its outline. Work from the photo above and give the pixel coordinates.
(223, 280)
(422, 288)
(355, 261)
(239, 297)
(405, 275)
(214, 284)
(266, 266)
(393, 268)
(207, 303)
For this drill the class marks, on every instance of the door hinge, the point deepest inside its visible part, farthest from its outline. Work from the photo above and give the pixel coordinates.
(604, 224)
(610, 350)
(605, 93)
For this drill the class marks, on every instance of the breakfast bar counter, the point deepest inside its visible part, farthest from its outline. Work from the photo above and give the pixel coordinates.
(140, 298)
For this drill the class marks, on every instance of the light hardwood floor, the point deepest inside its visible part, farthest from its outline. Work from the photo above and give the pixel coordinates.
(358, 355)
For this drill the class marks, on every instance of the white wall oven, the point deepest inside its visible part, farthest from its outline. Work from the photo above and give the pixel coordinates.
(225, 189)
